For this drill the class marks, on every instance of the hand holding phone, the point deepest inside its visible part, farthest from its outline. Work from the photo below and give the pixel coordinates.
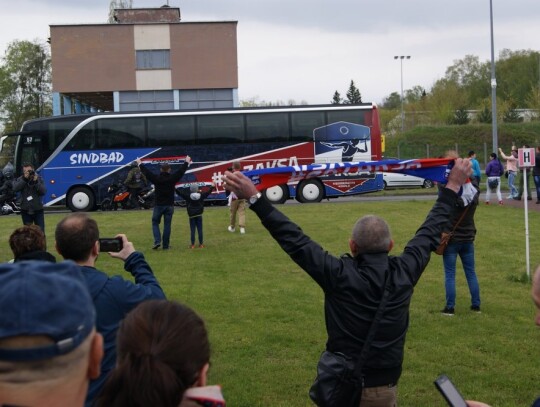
(113, 244)
(449, 392)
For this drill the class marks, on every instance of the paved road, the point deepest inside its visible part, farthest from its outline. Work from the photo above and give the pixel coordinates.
(532, 205)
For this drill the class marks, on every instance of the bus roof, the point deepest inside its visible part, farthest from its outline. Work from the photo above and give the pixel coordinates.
(83, 116)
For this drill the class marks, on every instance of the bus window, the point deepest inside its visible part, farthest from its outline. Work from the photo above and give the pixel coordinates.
(171, 131)
(120, 133)
(303, 124)
(219, 129)
(265, 127)
(30, 154)
(84, 139)
(350, 116)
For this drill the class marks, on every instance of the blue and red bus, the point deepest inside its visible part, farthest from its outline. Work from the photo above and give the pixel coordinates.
(79, 156)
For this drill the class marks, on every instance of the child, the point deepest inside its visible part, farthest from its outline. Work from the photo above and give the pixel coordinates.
(195, 207)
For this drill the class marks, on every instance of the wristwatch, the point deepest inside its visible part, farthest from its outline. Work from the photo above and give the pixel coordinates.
(254, 198)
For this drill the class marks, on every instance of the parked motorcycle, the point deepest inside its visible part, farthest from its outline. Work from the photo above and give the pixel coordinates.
(10, 206)
(119, 196)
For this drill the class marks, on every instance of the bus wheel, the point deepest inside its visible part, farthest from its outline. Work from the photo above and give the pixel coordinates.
(106, 204)
(80, 199)
(277, 194)
(310, 191)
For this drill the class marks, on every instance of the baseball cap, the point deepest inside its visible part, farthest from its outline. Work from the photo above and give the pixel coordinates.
(46, 299)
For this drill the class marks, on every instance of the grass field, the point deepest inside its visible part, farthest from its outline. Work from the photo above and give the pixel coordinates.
(265, 316)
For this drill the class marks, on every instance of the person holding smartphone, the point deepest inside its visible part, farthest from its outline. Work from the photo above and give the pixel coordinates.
(77, 239)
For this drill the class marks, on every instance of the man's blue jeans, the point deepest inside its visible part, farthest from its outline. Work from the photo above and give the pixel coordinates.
(196, 223)
(511, 178)
(166, 212)
(537, 184)
(465, 250)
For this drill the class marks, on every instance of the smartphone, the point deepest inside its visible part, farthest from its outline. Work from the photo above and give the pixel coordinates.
(449, 392)
(112, 244)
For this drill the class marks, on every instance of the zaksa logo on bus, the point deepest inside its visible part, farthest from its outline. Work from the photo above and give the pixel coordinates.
(217, 177)
(304, 172)
(280, 162)
(95, 158)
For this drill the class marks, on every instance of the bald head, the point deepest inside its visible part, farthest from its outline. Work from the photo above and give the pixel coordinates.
(75, 236)
(370, 234)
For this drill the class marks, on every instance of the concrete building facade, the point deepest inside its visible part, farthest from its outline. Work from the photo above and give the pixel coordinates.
(148, 60)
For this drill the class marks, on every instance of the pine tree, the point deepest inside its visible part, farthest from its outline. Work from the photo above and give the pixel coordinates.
(461, 116)
(484, 116)
(337, 100)
(511, 115)
(353, 94)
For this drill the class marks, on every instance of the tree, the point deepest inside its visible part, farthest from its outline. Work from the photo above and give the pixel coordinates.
(461, 116)
(392, 101)
(484, 116)
(353, 94)
(25, 83)
(337, 99)
(511, 115)
(114, 4)
(516, 72)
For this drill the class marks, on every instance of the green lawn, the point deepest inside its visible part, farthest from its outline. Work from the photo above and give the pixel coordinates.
(265, 316)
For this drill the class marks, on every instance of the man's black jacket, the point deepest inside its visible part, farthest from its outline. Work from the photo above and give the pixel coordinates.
(353, 287)
(164, 183)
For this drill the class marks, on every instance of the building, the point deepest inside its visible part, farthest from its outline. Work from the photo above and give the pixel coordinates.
(147, 60)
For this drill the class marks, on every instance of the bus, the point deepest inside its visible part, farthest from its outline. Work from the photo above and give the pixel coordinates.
(79, 156)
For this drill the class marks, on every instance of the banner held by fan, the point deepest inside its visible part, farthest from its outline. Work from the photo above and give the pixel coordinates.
(433, 169)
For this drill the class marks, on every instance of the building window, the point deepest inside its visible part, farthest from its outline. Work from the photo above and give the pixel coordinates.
(154, 59)
(146, 100)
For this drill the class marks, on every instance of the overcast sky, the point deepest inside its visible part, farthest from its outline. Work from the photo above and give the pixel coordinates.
(307, 49)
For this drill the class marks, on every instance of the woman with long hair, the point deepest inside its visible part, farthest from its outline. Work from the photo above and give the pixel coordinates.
(163, 359)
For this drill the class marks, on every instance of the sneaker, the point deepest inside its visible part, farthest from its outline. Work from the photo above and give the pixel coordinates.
(242, 231)
(476, 308)
(501, 203)
(166, 248)
(201, 246)
(448, 311)
(230, 229)
(192, 246)
(156, 246)
(517, 198)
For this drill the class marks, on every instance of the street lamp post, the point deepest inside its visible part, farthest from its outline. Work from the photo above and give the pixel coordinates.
(493, 84)
(401, 58)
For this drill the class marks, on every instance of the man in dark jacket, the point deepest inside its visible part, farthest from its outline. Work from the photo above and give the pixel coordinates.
(77, 239)
(31, 187)
(164, 184)
(353, 285)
